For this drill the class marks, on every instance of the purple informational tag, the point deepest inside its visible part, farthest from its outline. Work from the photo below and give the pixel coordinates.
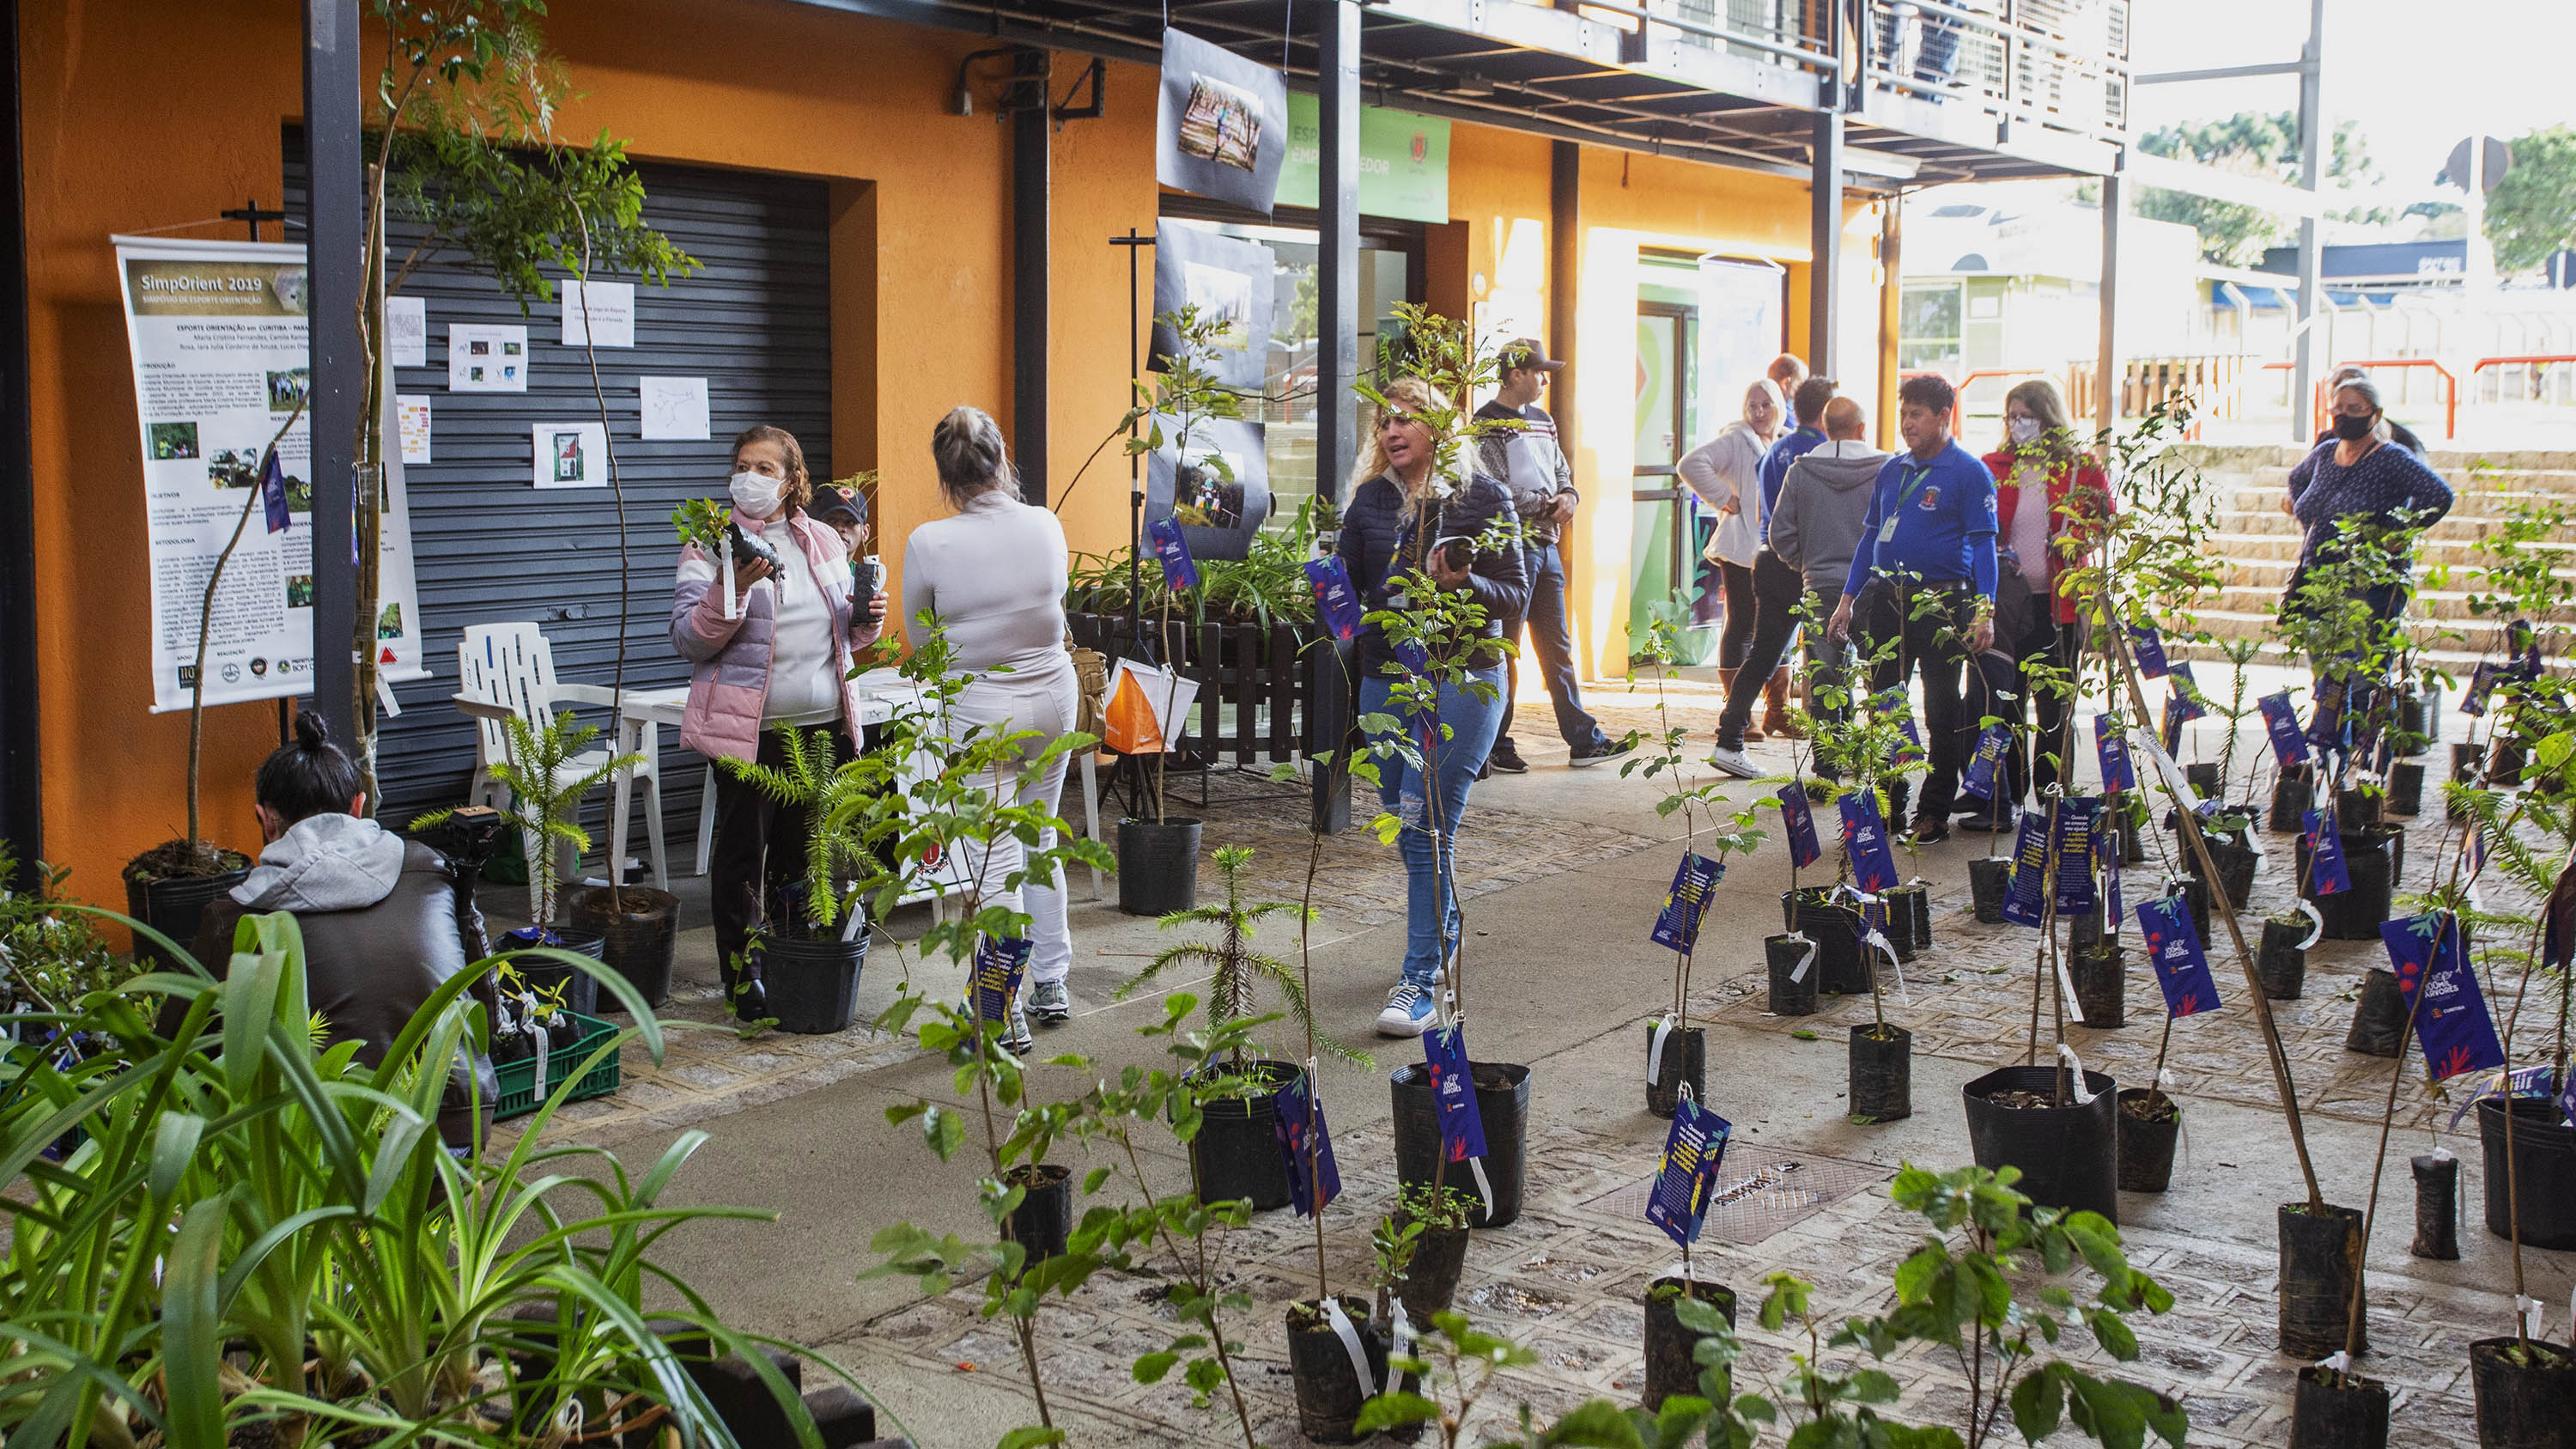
(2075, 854)
(2482, 682)
(2281, 722)
(1982, 765)
(1893, 702)
(2558, 919)
(2451, 1021)
(1694, 881)
(1179, 569)
(1865, 841)
(272, 493)
(1304, 1140)
(2112, 744)
(999, 964)
(2326, 873)
(2170, 729)
(1336, 602)
(2325, 716)
(1798, 819)
(2173, 946)
(2151, 651)
(1693, 1149)
(2567, 1100)
(2025, 900)
(1415, 659)
(1453, 1093)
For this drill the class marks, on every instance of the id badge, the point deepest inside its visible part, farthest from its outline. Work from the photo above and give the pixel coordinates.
(1887, 530)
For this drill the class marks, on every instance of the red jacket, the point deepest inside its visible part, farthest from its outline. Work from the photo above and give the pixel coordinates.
(2063, 479)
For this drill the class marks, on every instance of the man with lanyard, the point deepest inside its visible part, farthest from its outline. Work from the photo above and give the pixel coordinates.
(1528, 461)
(1929, 534)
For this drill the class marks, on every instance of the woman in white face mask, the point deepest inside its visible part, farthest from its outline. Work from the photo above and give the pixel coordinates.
(781, 655)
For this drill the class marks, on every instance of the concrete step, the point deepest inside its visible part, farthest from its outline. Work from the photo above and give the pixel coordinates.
(2267, 563)
(2259, 584)
(2447, 656)
(2249, 614)
(2456, 527)
(2239, 458)
(2256, 542)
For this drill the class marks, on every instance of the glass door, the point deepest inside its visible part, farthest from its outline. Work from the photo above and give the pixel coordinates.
(1664, 544)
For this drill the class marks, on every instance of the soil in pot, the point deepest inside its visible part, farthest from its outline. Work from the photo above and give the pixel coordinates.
(2406, 788)
(1158, 866)
(1329, 1390)
(2437, 1205)
(1989, 878)
(1839, 967)
(169, 887)
(1670, 1367)
(2320, 1259)
(2150, 1123)
(1431, 1282)
(2068, 1156)
(1793, 992)
(2338, 1411)
(2370, 862)
(1044, 1219)
(813, 986)
(1236, 1154)
(2526, 1393)
(1909, 913)
(639, 939)
(2543, 1172)
(1684, 1060)
(2101, 986)
(2282, 966)
(1502, 1102)
(2379, 1017)
(2290, 795)
(1882, 1073)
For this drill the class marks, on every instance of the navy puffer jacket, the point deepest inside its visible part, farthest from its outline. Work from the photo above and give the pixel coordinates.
(1381, 538)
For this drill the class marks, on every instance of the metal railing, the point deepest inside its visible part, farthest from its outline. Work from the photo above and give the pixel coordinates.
(2063, 63)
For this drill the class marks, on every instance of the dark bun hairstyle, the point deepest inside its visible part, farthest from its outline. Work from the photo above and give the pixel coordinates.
(309, 777)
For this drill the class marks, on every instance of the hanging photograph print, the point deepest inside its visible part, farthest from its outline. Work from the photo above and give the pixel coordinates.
(2451, 1021)
(2281, 722)
(2326, 873)
(1234, 284)
(2151, 651)
(1980, 781)
(1677, 926)
(1221, 129)
(1865, 841)
(1694, 1148)
(2173, 947)
(1336, 602)
(1305, 1143)
(1798, 820)
(999, 963)
(1453, 1096)
(2112, 745)
(1173, 551)
(2075, 854)
(2025, 899)
(1221, 497)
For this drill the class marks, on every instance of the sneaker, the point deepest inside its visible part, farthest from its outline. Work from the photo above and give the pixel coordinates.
(1015, 1037)
(1408, 1011)
(1050, 1003)
(1929, 832)
(1506, 759)
(1600, 752)
(1734, 763)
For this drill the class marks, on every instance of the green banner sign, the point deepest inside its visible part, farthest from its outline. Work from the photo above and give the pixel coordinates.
(1404, 161)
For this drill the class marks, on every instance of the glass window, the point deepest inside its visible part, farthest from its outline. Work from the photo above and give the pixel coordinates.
(1927, 327)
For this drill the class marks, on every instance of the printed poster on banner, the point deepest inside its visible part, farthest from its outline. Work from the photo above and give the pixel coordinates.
(2174, 948)
(1686, 904)
(2451, 1021)
(1336, 602)
(1306, 1143)
(2112, 744)
(1694, 1149)
(1865, 841)
(2025, 899)
(2281, 722)
(1453, 1095)
(221, 360)
(1221, 128)
(1798, 821)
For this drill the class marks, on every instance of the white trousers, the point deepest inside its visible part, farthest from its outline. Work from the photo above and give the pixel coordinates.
(1010, 703)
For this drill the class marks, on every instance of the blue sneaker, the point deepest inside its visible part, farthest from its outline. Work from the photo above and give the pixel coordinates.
(1408, 1011)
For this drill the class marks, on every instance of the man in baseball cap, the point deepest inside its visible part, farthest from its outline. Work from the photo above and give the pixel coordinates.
(845, 511)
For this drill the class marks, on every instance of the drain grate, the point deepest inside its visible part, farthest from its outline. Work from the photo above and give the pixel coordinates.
(1761, 1191)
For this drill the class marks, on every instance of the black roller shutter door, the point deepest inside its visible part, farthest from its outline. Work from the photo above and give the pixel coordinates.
(754, 321)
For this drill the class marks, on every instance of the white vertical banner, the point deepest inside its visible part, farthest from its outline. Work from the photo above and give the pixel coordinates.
(221, 360)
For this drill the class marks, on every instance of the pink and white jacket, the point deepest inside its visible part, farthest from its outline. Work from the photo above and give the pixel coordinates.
(729, 683)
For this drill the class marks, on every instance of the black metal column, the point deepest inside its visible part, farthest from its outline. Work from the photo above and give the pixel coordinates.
(334, 223)
(1337, 359)
(22, 796)
(1564, 276)
(1031, 176)
(1824, 294)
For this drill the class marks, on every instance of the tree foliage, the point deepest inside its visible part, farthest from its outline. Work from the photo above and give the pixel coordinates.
(2250, 143)
(2532, 211)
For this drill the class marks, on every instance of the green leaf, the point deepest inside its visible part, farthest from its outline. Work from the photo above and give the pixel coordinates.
(1151, 1368)
(192, 1336)
(1596, 1423)
(1028, 1436)
(2037, 1402)
(1394, 1410)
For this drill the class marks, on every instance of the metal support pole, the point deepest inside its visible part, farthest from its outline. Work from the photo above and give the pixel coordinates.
(1824, 292)
(2314, 139)
(2106, 349)
(22, 796)
(1337, 325)
(335, 263)
(1031, 132)
(1564, 279)
(1891, 289)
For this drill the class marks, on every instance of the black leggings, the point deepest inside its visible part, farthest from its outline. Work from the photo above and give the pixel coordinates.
(759, 846)
(1741, 613)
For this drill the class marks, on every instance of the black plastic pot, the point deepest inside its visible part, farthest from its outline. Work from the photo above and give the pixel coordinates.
(2543, 1173)
(1989, 878)
(2320, 1261)
(2418, 717)
(580, 988)
(2069, 1156)
(2290, 795)
(813, 986)
(2147, 1143)
(2527, 1405)
(2351, 1414)
(2356, 808)
(1431, 1282)
(1909, 916)
(2235, 864)
(2282, 965)
(1685, 1059)
(1788, 997)
(1670, 1367)
(1158, 866)
(2133, 842)
(1502, 1102)
(2202, 778)
(639, 939)
(1882, 1073)
(2504, 764)
(1329, 1391)
(2406, 788)
(2465, 758)
(1835, 928)
(2379, 1017)
(173, 907)
(1044, 1219)
(1236, 1154)
(2370, 863)
(2101, 986)
(2437, 1206)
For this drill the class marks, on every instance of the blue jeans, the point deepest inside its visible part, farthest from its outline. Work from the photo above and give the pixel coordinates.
(1431, 908)
(1551, 637)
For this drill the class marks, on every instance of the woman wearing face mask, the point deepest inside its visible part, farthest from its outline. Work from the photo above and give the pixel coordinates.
(1389, 531)
(2046, 488)
(1725, 474)
(993, 577)
(783, 658)
(2364, 475)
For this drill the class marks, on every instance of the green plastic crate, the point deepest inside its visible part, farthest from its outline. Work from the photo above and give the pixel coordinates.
(520, 1093)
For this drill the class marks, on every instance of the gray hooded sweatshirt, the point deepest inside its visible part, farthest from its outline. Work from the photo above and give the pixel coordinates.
(324, 863)
(1816, 525)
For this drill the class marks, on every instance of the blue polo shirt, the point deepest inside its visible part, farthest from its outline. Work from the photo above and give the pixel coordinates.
(1934, 519)
(1774, 468)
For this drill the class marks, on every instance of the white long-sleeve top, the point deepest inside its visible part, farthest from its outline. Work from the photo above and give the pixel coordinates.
(1728, 469)
(994, 575)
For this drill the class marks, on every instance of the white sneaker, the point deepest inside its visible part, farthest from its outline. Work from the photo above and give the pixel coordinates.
(1408, 1011)
(1735, 763)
